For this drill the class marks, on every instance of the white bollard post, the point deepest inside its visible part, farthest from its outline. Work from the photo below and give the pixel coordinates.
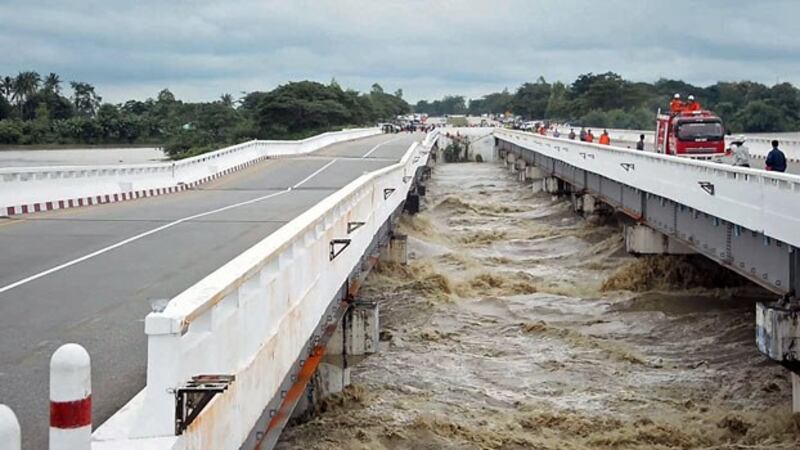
(10, 435)
(70, 399)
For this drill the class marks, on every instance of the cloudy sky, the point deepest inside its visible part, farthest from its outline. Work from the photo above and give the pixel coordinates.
(202, 48)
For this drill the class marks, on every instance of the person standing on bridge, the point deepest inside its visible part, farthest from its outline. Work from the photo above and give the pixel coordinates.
(589, 136)
(556, 133)
(583, 134)
(776, 160)
(571, 134)
(640, 144)
(605, 139)
(741, 154)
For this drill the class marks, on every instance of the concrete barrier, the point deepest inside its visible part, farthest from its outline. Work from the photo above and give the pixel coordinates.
(10, 435)
(29, 190)
(750, 198)
(70, 399)
(248, 322)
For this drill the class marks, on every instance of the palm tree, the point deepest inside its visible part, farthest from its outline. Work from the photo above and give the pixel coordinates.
(227, 100)
(6, 86)
(25, 86)
(52, 83)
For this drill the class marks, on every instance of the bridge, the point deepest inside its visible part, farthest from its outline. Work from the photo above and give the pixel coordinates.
(744, 219)
(245, 261)
(198, 251)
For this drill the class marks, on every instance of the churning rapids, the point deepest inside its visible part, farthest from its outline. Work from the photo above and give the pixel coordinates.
(519, 325)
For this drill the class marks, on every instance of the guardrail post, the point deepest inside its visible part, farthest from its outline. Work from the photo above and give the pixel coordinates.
(70, 399)
(10, 435)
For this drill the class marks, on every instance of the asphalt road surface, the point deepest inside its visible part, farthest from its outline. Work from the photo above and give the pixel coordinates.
(143, 251)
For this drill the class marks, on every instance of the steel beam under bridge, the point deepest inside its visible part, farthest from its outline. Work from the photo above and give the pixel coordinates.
(727, 214)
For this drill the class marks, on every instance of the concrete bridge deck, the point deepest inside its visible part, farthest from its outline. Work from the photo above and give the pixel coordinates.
(89, 275)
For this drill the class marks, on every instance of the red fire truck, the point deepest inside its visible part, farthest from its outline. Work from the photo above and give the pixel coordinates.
(693, 134)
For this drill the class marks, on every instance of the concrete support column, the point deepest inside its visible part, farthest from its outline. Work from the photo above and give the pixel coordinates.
(643, 240)
(520, 166)
(511, 159)
(552, 185)
(396, 251)
(356, 337)
(536, 175)
(777, 332)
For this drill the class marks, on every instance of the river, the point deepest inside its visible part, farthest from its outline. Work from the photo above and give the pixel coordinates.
(519, 325)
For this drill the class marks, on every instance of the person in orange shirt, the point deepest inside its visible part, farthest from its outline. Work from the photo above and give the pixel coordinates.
(605, 139)
(692, 105)
(676, 105)
(589, 136)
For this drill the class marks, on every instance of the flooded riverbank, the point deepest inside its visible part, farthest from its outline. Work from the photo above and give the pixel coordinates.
(518, 325)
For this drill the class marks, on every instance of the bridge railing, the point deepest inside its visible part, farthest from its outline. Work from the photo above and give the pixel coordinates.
(252, 317)
(754, 199)
(24, 190)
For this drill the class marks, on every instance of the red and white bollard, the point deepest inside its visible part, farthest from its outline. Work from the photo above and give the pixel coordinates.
(10, 436)
(70, 399)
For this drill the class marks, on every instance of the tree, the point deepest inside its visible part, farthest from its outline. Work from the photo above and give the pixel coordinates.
(495, 103)
(760, 116)
(52, 83)
(84, 98)
(226, 100)
(531, 99)
(10, 131)
(166, 96)
(5, 108)
(6, 87)
(25, 86)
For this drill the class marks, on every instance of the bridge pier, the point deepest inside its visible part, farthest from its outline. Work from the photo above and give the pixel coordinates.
(555, 186)
(356, 337)
(590, 207)
(396, 251)
(510, 161)
(777, 332)
(643, 240)
(536, 175)
(521, 167)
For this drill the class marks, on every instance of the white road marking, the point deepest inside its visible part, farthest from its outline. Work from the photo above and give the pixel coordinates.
(166, 226)
(379, 146)
(137, 237)
(317, 172)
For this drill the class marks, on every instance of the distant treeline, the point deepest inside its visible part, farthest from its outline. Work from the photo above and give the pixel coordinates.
(607, 100)
(35, 110)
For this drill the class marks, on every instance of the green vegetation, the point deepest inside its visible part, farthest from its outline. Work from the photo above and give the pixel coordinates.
(35, 111)
(607, 100)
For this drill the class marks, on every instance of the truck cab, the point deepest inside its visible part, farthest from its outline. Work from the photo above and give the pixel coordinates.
(692, 134)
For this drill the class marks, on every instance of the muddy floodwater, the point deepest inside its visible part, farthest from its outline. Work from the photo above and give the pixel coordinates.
(519, 325)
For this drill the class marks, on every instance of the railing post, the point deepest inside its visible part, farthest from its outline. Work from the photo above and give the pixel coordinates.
(10, 436)
(70, 399)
